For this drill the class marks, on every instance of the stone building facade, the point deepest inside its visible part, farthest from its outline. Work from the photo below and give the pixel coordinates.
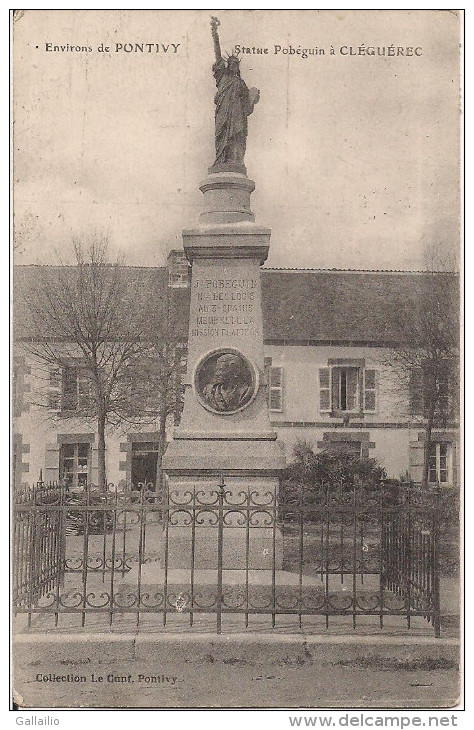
(329, 339)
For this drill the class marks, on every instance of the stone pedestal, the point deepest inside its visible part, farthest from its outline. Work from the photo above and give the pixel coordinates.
(225, 428)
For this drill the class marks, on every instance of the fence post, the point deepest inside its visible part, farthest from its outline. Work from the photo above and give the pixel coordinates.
(436, 586)
(60, 551)
(166, 518)
(327, 543)
(382, 556)
(220, 536)
(32, 568)
(62, 532)
(408, 561)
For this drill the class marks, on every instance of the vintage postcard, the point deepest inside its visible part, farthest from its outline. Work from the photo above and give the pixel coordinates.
(235, 441)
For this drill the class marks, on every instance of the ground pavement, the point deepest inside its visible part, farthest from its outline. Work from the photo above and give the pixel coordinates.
(179, 667)
(152, 665)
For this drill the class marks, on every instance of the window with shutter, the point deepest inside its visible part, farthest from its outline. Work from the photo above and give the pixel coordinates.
(345, 388)
(370, 399)
(433, 386)
(276, 389)
(74, 463)
(324, 390)
(76, 389)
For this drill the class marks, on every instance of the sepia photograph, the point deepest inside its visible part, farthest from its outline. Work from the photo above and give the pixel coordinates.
(236, 450)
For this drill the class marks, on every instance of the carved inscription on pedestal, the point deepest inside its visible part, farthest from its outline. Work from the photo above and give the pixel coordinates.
(225, 307)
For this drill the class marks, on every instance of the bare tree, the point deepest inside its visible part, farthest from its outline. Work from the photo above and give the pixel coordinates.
(93, 311)
(156, 392)
(427, 359)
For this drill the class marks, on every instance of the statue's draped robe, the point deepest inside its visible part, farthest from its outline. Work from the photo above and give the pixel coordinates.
(226, 398)
(232, 108)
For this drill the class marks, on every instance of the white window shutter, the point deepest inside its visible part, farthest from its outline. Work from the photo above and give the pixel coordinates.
(370, 391)
(276, 389)
(325, 390)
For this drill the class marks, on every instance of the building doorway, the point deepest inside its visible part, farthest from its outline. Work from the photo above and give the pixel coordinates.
(144, 464)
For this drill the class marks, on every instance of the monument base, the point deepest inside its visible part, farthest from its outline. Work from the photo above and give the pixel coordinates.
(152, 578)
(241, 517)
(180, 590)
(237, 549)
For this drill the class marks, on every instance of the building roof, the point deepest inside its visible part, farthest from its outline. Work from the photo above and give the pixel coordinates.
(299, 306)
(147, 284)
(344, 306)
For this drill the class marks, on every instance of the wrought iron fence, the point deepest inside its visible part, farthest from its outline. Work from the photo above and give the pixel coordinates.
(410, 545)
(38, 554)
(224, 550)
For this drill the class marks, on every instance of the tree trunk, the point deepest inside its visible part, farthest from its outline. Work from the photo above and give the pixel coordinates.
(102, 476)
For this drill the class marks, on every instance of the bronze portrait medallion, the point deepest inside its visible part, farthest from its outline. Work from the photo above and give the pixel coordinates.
(225, 381)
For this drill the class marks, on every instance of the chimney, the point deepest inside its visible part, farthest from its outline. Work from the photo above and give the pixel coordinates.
(179, 269)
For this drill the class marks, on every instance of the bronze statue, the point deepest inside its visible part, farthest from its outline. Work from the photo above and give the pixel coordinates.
(234, 102)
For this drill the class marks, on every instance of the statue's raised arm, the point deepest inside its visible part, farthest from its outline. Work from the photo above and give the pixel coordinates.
(234, 103)
(215, 23)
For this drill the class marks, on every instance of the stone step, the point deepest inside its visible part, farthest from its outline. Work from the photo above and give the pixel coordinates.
(153, 575)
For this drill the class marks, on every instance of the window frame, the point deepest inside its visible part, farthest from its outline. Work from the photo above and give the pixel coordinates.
(343, 370)
(83, 399)
(419, 401)
(449, 464)
(75, 465)
(327, 372)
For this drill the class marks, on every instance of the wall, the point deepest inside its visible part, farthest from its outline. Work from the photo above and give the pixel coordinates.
(40, 431)
(390, 434)
(301, 385)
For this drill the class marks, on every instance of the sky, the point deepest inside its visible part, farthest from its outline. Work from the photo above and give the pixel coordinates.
(355, 156)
